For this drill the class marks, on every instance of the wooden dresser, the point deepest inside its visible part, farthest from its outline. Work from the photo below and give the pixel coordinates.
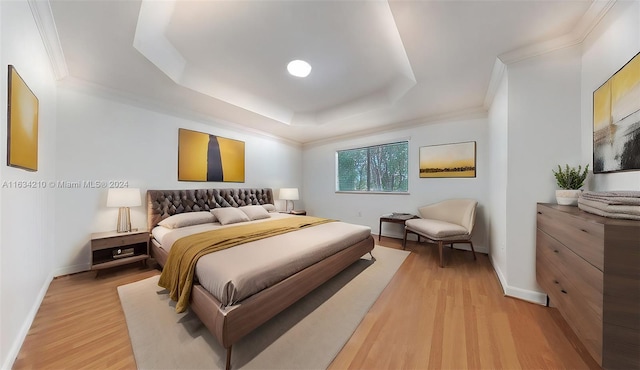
(589, 266)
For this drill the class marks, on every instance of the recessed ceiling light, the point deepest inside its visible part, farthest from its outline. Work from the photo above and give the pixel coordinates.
(299, 68)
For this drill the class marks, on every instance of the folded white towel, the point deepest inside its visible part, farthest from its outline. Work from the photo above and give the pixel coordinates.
(600, 212)
(611, 208)
(613, 197)
(618, 193)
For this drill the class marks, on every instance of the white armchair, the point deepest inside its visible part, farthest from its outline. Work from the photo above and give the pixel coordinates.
(447, 222)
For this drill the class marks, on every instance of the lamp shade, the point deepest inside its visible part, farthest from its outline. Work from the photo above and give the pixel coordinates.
(289, 194)
(125, 197)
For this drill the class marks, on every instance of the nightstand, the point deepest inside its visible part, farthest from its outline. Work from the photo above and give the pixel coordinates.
(110, 249)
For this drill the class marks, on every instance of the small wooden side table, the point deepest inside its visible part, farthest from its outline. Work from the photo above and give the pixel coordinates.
(395, 218)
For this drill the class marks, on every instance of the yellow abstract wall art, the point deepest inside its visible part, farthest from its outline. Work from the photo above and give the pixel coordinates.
(448, 160)
(616, 121)
(205, 157)
(22, 124)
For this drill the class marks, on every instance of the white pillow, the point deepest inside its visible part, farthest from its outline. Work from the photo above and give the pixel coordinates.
(187, 219)
(269, 207)
(229, 215)
(255, 212)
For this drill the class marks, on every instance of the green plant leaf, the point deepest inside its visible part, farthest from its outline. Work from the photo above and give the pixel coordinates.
(570, 177)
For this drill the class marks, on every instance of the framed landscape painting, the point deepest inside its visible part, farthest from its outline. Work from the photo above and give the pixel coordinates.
(616, 121)
(205, 157)
(448, 160)
(22, 124)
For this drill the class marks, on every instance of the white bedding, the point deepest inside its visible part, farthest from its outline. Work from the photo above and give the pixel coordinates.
(234, 274)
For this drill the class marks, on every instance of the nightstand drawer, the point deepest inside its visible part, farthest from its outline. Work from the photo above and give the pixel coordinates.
(119, 241)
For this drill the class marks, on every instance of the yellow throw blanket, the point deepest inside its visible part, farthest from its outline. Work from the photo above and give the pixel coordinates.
(178, 272)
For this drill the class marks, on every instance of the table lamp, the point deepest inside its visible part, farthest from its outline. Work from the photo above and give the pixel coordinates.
(289, 194)
(123, 199)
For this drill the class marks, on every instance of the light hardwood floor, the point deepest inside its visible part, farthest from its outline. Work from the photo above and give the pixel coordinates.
(428, 317)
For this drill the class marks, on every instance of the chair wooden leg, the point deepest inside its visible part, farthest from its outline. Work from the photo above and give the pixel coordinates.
(472, 250)
(440, 251)
(404, 240)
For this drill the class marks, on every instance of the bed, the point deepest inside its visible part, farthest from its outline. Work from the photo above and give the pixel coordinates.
(229, 314)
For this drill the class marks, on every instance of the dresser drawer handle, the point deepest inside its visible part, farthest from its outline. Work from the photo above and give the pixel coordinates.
(556, 282)
(563, 291)
(539, 212)
(584, 230)
(556, 251)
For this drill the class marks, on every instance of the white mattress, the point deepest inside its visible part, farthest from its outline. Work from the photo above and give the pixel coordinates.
(234, 274)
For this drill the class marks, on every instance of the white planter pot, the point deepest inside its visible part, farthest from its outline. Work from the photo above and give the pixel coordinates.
(568, 197)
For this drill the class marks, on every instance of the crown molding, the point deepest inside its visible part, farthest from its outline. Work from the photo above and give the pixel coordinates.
(86, 87)
(583, 28)
(593, 16)
(498, 71)
(43, 16)
(597, 10)
(538, 49)
(90, 88)
(463, 114)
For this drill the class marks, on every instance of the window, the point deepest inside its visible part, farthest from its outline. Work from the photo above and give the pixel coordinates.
(378, 168)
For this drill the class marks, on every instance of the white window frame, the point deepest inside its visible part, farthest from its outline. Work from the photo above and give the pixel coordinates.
(366, 146)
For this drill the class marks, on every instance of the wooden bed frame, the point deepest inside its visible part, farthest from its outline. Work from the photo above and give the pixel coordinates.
(230, 324)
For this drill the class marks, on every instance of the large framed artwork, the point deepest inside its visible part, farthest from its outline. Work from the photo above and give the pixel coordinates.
(205, 157)
(22, 124)
(616, 121)
(448, 160)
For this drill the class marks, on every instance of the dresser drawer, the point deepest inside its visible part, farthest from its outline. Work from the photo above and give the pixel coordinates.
(560, 276)
(609, 245)
(582, 236)
(587, 280)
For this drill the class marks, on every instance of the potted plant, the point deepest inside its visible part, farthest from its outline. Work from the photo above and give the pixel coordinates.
(570, 180)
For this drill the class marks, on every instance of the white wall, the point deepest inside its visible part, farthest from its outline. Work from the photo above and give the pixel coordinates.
(105, 139)
(320, 177)
(610, 46)
(543, 131)
(498, 153)
(27, 215)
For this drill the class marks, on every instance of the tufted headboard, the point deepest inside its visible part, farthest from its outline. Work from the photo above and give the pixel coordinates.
(164, 203)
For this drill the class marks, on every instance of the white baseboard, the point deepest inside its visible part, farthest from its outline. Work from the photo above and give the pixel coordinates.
(26, 325)
(68, 270)
(527, 295)
(524, 294)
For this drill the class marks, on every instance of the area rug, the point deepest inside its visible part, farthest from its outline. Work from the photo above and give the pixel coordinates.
(307, 335)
